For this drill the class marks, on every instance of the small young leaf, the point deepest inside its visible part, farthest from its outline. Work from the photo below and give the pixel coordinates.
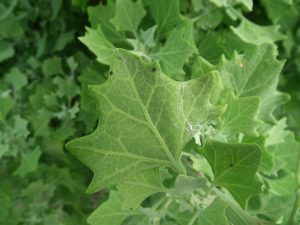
(128, 16)
(176, 51)
(101, 15)
(240, 114)
(96, 41)
(278, 133)
(257, 35)
(213, 214)
(286, 154)
(166, 15)
(29, 162)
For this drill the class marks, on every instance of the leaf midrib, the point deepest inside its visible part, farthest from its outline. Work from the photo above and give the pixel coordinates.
(151, 125)
(125, 154)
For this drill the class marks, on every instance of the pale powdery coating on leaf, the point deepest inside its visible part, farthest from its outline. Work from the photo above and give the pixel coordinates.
(258, 77)
(254, 73)
(143, 120)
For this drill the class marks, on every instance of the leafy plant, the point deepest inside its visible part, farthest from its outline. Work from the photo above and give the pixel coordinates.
(39, 110)
(186, 111)
(187, 132)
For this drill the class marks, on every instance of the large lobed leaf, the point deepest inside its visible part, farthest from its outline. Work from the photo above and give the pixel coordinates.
(145, 120)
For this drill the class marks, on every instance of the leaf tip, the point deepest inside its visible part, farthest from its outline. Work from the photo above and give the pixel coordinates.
(70, 145)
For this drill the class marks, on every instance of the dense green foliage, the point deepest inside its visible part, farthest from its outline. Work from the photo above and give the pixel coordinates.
(39, 110)
(197, 104)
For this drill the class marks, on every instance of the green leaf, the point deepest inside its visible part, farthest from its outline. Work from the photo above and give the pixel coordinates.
(266, 164)
(20, 128)
(96, 41)
(209, 17)
(277, 208)
(223, 42)
(52, 66)
(66, 87)
(6, 104)
(277, 10)
(286, 154)
(61, 177)
(16, 78)
(255, 73)
(213, 214)
(176, 51)
(283, 186)
(56, 6)
(13, 138)
(6, 204)
(278, 133)
(40, 122)
(101, 15)
(166, 15)
(128, 15)
(4, 148)
(234, 167)
(148, 36)
(234, 213)
(80, 3)
(200, 67)
(63, 39)
(144, 117)
(140, 186)
(240, 114)
(6, 50)
(257, 35)
(110, 212)
(29, 162)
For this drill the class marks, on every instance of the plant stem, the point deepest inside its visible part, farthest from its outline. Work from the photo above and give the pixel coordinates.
(167, 203)
(193, 219)
(292, 219)
(159, 202)
(210, 188)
